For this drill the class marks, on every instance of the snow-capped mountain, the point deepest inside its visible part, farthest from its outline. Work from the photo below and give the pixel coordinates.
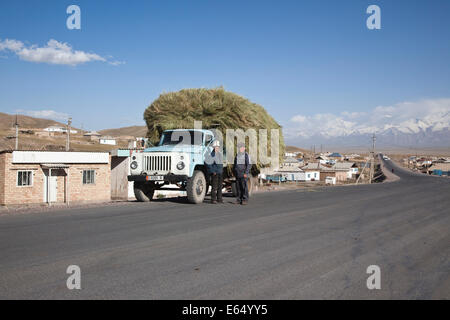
(424, 123)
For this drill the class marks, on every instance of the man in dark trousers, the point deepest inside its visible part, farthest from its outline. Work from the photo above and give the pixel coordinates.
(241, 171)
(214, 165)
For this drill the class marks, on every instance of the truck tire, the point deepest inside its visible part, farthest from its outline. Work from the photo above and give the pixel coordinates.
(196, 187)
(143, 192)
(250, 183)
(233, 189)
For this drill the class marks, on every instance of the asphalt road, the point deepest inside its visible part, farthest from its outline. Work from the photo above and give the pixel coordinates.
(284, 245)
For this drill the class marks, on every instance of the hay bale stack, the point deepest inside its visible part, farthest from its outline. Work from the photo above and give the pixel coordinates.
(216, 108)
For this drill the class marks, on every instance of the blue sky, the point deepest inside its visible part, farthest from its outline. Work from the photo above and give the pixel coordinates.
(292, 57)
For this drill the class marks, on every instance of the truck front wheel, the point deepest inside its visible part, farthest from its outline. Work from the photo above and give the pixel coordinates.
(143, 191)
(196, 187)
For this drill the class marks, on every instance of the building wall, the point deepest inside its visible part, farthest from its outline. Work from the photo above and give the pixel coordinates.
(14, 194)
(119, 178)
(312, 175)
(324, 174)
(339, 175)
(2, 177)
(11, 194)
(99, 191)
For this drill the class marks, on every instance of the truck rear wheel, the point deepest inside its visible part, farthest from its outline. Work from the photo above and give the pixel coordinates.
(196, 187)
(250, 184)
(143, 192)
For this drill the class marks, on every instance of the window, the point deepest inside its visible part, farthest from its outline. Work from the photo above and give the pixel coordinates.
(24, 178)
(88, 176)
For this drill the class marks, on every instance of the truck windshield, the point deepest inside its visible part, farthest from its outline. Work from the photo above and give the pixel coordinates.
(187, 137)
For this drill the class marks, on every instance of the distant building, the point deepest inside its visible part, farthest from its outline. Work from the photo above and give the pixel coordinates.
(312, 171)
(291, 171)
(108, 140)
(293, 154)
(59, 129)
(33, 177)
(92, 135)
(336, 156)
(350, 167)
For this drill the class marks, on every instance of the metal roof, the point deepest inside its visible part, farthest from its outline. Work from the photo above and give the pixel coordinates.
(54, 166)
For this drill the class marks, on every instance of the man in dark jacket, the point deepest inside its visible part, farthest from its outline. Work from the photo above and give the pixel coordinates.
(214, 165)
(241, 171)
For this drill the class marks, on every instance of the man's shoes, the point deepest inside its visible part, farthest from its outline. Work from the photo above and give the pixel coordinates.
(219, 201)
(244, 202)
(213, 201)
(238, 202)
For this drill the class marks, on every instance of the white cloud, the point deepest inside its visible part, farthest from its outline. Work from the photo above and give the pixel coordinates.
(46, 114)
(407, 117)
(54, 52)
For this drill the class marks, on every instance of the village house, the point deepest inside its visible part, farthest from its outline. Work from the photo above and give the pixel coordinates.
(59, 130)
(336, 156)
(291, 171)
(312, 171)
(323, 159)
(33, 177)
(349, 167)
(108, 140)
(340, 175)
(92, 135)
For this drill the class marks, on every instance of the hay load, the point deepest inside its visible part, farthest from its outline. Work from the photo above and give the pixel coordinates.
(216, 108)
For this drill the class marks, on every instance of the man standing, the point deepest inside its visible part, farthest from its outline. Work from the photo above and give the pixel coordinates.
(214, 165)
(241, 171)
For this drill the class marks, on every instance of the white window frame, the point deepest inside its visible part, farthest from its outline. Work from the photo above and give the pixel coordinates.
(30, 178)
(92, 177)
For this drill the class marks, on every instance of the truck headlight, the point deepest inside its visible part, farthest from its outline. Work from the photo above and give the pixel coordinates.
(180, 165)
(134, 165)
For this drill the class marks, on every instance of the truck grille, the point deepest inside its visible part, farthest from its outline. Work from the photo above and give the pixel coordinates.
(157, 163)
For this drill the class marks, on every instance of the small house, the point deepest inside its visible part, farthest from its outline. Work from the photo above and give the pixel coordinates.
(33, 177)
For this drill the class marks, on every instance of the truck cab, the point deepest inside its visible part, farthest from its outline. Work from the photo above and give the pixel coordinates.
(178, 159)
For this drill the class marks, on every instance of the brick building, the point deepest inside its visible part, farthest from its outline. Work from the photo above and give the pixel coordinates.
(341, 175)
(31, 177)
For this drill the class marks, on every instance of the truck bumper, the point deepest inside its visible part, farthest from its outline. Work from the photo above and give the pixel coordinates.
(171, 178)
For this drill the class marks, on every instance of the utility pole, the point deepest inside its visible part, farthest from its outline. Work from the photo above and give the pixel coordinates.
(69, 122)
(16, 124)
(372, 159)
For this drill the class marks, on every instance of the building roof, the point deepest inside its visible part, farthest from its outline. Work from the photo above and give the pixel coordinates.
(314, 166)
(92, 133)
(335, 155)
(290, 160)
(343, 165)
(290, 169)
(54, 166)
(58, 157)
